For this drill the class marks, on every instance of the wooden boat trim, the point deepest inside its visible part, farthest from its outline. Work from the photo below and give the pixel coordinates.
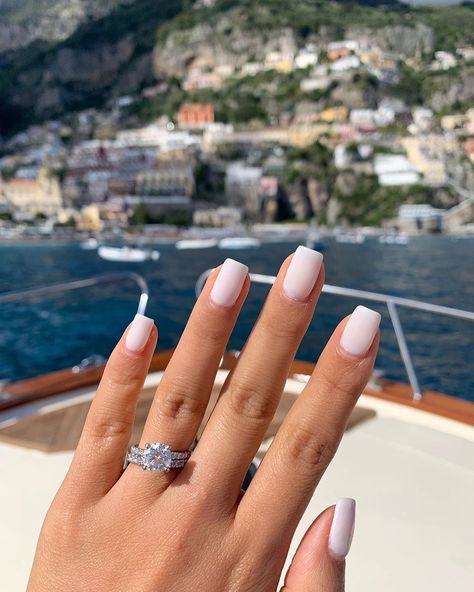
(63, 381)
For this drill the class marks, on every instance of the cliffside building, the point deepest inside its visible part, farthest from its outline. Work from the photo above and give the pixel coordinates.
(196, 115)
(32, 196)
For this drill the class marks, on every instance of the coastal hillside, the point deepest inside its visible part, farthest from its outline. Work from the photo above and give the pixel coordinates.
(57, 57)
(86, 57)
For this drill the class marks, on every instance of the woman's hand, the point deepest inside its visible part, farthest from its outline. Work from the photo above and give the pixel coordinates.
(193, 529)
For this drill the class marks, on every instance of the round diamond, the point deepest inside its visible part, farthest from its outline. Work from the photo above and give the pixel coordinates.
(157, 457)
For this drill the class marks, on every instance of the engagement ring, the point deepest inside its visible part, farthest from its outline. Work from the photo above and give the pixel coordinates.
(156, 457)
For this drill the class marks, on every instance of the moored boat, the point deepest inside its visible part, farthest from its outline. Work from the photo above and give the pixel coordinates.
(394, 239)
(351, 238)
(189, 244)
(239, 242)
(90, 244)
(127, 254)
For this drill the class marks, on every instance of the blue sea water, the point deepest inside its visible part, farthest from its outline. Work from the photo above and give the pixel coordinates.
(39, 336)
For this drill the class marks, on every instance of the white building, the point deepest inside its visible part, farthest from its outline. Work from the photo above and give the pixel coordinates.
(350, 62)
(444, 61)
(420, 217)
(306, 57)
(349, 44)
(422, 119)
(156, 136)
(313, 84)
(394, 169)
(252, 69)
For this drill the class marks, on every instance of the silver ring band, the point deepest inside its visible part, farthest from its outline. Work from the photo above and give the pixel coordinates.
(156, 457)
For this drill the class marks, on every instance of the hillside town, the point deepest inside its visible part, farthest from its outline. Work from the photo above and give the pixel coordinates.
(105, 169)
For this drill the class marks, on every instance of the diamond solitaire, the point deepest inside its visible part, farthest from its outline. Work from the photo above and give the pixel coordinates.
(156, 457)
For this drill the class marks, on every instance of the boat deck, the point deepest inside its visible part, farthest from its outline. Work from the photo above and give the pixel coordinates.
(411, 471)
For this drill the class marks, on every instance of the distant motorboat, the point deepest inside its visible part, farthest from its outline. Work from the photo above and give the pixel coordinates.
(394, 239)
(128, 254)
(352, 238)
(204, 243)
(90, 244)
(239, 242)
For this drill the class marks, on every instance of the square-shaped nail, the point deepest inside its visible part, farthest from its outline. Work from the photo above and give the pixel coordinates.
(360, 331)
(229, 283)
(138, 333)
(342, 528)
(302, 273)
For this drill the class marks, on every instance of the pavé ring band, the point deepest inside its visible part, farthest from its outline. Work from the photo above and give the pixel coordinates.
(156, 457)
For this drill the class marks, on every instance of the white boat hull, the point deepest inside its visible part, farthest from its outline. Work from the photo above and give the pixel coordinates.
(196, 244)
(127, 254)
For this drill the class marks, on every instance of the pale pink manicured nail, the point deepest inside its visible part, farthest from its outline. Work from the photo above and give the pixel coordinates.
(360, 331)
(229, 282)
(138, 333)
(302, 273)
(342, 528)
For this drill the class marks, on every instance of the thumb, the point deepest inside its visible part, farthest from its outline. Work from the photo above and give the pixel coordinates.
(319, 562)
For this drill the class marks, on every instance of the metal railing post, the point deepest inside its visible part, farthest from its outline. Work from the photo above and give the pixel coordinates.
(404, 351)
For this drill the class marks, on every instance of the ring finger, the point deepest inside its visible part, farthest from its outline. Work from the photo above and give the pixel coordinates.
(183, 394)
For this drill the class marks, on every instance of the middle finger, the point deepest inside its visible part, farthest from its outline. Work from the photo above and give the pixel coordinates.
(251, 393)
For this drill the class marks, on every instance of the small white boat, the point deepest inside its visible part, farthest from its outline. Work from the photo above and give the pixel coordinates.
(204, 243)
(239, 242)
(394, 239)
(351, 238)
(127, 254)
(90, 244)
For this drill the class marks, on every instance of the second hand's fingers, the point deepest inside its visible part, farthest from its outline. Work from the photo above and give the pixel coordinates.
(319, 562)
(307, 441)
(98, 461)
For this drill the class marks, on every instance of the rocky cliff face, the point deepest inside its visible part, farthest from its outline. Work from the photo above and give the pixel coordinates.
(104, 57)
(25, 21)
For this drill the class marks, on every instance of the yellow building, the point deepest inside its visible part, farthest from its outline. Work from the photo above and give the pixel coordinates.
(89, 219)
(450, 122)
(334, 114)
(41, 195)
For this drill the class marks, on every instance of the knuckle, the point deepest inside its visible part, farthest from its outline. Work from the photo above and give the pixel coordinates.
(340, 386)
(287, 328)
(310, 450)
(251, 403)
(179, 404)
(105, 427)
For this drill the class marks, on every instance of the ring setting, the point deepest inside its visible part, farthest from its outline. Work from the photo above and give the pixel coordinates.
(156, 457)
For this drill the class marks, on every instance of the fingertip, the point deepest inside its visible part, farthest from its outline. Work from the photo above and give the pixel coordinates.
(342, 528)
(360, 331)
(138, 334)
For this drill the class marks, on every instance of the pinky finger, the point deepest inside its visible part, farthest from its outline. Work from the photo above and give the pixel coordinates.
(319, 562)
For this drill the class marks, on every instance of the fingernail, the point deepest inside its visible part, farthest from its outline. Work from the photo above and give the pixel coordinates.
(229, 282)
(360, 331)
(138, 333)
(302, 273)
(342, 528)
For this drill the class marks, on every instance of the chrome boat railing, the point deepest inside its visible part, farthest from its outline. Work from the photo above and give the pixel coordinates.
(105, 278)
(392, 302)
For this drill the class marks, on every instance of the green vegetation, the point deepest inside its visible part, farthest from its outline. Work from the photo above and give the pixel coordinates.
(451, 25)
(370, 203)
